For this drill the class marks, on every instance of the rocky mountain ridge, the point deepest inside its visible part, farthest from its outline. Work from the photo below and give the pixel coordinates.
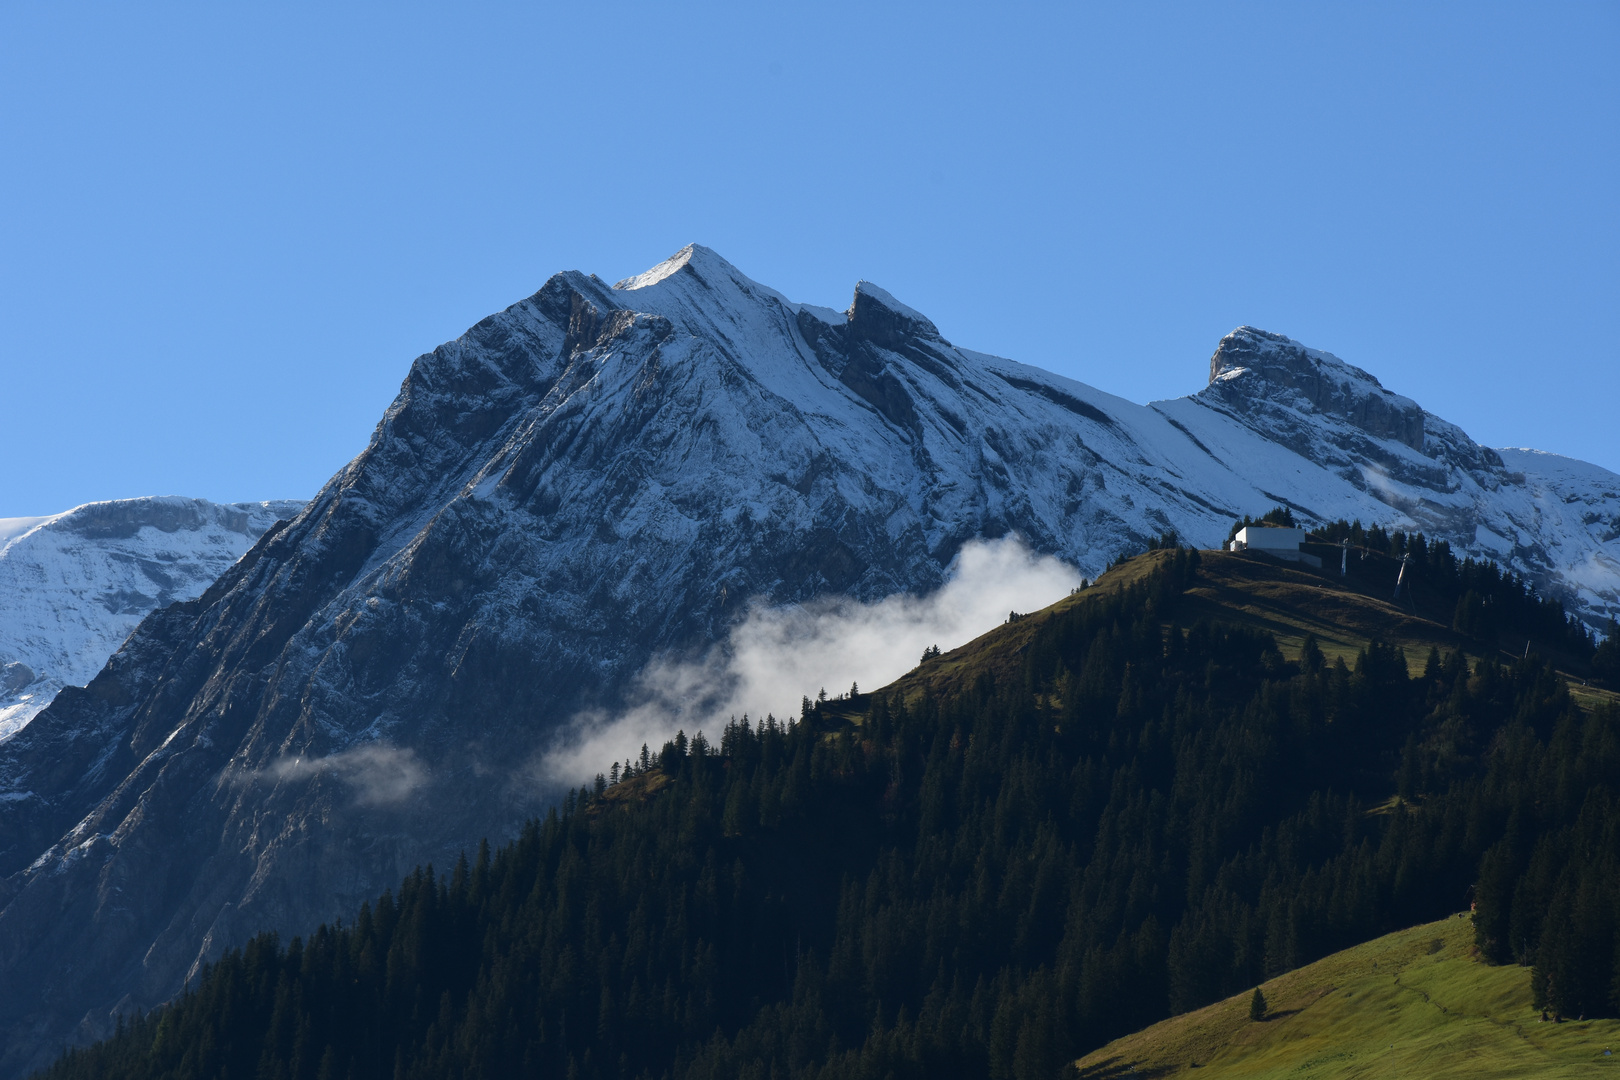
(596, 476)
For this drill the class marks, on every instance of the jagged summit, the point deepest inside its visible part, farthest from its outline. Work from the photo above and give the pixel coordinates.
(1252, 364)
(884, 319)
(1283, 360)
(700, 276)
(699, 261)
(695, 277)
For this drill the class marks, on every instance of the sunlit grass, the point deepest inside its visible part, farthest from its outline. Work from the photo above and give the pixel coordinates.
(1415, 1003)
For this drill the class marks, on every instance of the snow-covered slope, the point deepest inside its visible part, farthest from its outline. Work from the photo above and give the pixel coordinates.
(1571, 506)
(592, 476)
(73, 585)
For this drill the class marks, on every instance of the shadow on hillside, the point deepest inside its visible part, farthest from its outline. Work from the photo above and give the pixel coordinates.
(1115, 1068)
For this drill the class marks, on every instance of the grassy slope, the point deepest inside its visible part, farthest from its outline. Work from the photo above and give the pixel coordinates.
(1289, 600)
(1410, 1004)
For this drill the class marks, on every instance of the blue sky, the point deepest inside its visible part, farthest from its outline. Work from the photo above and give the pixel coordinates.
(225, 230)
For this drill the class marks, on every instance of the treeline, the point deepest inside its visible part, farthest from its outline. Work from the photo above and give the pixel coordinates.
(1141, 818)
(1491, 606)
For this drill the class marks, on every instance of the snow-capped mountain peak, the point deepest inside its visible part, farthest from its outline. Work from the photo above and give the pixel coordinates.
(701, 263)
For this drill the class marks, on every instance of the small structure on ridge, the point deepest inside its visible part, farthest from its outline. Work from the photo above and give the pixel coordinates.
(1278, 542)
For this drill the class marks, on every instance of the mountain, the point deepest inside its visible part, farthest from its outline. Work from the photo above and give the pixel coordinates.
(603, 474)
(74, 585)
(1135, 802)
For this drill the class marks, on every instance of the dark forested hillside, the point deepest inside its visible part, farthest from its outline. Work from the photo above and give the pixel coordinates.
(1104, 812)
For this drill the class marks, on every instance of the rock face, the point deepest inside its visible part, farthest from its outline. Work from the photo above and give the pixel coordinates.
(73, 586)
(1252, 366)
(596, 474)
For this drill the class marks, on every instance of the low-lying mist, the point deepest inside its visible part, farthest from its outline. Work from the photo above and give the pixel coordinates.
(778, 655)
(377, 774)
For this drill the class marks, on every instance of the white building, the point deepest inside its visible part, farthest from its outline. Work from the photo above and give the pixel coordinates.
(1279, 543)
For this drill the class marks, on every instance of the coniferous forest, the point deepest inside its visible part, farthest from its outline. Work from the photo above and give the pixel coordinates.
(1146, 813)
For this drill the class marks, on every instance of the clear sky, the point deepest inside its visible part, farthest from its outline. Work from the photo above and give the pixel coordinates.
(227, 229)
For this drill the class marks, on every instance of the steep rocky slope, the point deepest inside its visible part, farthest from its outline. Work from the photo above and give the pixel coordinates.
(596, 474)
(73, 585)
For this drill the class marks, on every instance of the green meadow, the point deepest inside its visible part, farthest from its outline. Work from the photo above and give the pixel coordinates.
(1416, 1003)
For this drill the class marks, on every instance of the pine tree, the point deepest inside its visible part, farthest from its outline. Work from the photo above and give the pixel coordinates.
(1257, 1005)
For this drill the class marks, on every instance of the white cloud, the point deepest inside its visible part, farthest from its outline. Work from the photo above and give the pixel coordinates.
(777, 655)
(380, 774)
